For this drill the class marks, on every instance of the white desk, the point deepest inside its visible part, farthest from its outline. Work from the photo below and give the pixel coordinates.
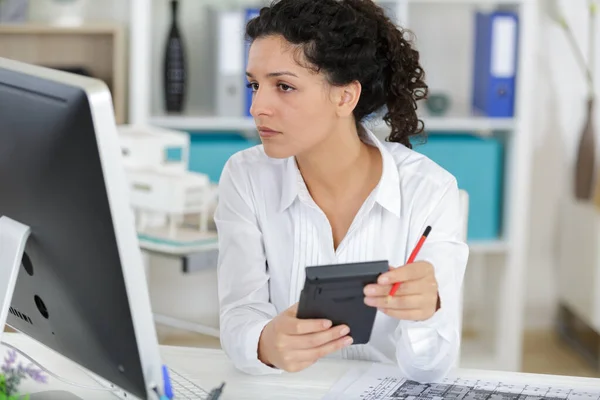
(208, 368)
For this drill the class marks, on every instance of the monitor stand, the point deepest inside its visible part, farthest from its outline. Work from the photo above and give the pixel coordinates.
(13, 237)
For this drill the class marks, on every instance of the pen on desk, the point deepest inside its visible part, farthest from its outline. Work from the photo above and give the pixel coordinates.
(216, 393)
(412, 257)
(167, 382)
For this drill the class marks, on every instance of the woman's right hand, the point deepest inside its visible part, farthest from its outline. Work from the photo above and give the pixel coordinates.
(293, 344)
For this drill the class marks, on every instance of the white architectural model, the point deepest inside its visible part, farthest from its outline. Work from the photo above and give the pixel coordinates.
(162, 190)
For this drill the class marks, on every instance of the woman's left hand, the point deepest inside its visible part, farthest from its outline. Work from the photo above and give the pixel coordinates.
(416, 299)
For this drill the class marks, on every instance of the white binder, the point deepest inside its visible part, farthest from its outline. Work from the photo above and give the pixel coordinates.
(230, 69)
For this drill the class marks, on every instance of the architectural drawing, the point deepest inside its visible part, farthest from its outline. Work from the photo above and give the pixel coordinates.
(399, 389)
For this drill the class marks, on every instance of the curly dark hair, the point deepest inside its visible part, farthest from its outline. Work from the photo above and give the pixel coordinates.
(353, 40)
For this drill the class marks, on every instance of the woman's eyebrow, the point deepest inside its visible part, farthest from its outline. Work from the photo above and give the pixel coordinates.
(274, 74)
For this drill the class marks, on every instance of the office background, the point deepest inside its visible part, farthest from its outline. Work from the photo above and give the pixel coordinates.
(534, 262)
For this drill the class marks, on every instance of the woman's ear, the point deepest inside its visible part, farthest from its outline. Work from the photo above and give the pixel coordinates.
(347, 99)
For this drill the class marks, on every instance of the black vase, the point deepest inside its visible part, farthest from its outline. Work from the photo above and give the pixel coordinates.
(174, 73)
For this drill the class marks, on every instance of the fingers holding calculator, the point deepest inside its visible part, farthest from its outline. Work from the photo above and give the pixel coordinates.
(293, 344)
(416, 298)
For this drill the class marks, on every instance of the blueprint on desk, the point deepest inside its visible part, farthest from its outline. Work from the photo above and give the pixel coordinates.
(381, 382)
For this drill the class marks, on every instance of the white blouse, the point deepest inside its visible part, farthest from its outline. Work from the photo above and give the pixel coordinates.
(270, 229)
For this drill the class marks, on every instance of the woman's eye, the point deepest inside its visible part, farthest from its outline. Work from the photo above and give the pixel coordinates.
(253, 86)
(285, 88)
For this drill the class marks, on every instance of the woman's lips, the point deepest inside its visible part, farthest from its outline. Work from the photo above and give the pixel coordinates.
(267, 132)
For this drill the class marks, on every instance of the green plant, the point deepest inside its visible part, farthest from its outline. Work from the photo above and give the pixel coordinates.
(13, 373)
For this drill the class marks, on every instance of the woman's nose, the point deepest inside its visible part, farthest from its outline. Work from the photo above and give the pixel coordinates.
(260, 103)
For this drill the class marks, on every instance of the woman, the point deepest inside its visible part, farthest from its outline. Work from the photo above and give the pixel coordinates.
(322, 189)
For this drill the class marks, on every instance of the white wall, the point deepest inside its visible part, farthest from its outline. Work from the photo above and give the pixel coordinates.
(559, 113)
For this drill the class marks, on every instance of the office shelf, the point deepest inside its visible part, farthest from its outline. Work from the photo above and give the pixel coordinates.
(475, 124)
(200, 123)
(481, 125)
(69, 46)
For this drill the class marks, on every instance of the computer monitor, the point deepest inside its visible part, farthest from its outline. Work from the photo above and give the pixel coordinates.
(81, 287)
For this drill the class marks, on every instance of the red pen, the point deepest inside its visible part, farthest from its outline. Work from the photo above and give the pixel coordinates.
(412, 257)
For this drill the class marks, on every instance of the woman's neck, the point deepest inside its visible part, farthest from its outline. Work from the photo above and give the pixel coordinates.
(338, 164)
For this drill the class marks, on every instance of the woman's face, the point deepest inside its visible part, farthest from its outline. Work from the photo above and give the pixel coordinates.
(294, 108)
